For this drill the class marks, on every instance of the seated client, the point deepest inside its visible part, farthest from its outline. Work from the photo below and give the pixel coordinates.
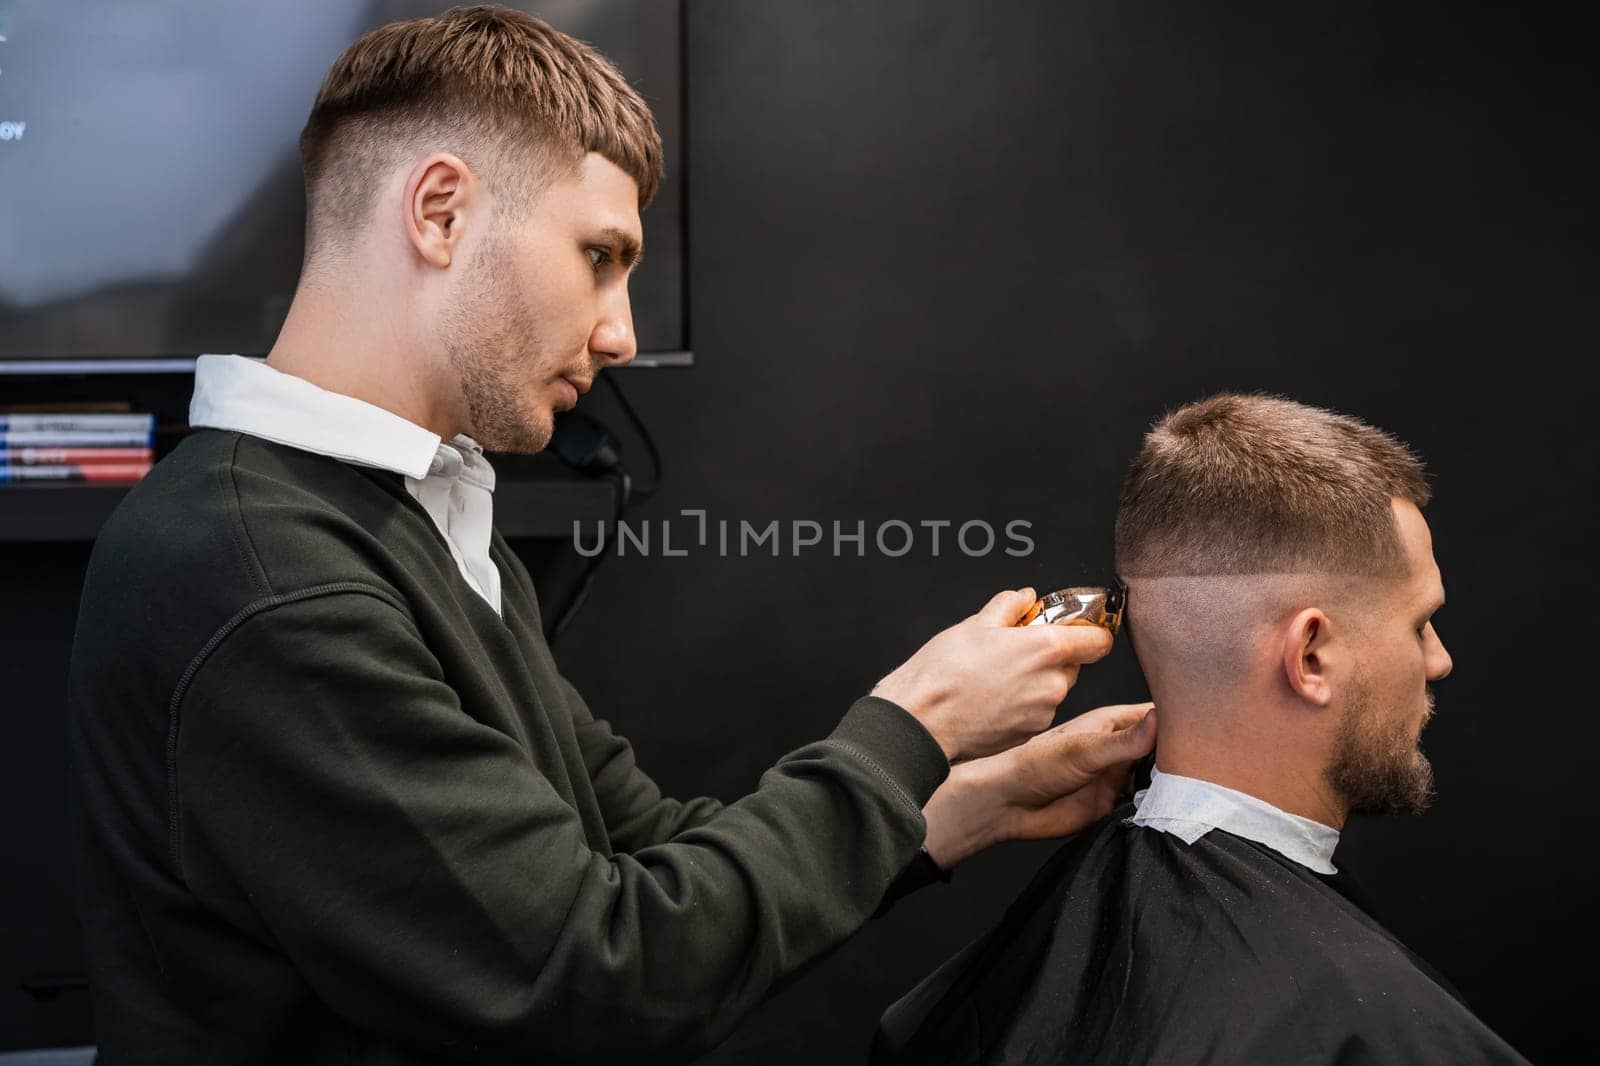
(1281, 582)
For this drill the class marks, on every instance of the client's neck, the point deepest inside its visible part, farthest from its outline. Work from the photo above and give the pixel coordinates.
(1248, 755)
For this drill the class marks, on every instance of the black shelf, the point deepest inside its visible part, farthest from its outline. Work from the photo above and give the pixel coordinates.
(546, 509)
(542, 508)
(40, 513)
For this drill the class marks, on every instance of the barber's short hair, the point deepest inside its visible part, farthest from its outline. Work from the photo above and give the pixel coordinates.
(1258, 484)
(517, 100)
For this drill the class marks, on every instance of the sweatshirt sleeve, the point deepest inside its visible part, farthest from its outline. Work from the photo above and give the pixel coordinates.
(431, 885)
(636, 813)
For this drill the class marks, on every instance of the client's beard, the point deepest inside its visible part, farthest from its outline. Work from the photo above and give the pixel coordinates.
(1376, 767)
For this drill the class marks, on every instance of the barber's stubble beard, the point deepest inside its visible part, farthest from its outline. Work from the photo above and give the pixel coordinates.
(1377, 766)
(489, 335)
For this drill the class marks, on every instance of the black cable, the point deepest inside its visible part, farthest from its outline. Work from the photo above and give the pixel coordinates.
(623, 485)
(646, 491)
(583, 444)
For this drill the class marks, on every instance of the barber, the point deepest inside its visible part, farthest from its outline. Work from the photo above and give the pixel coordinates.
(339, 803)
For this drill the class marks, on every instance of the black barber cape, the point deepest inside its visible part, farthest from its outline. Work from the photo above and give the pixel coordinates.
(1132, 947)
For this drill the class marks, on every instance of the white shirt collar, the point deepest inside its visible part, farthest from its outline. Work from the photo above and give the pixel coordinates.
(237, 393)
(1189, 808)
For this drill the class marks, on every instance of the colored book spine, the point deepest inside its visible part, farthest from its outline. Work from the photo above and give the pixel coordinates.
(64, 438)
(68, 456)
(92, 472)
(67, 422)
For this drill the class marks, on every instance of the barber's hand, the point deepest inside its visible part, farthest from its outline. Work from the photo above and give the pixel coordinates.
(986, 684)
(1054, 785)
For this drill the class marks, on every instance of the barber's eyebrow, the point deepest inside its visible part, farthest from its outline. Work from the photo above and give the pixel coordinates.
(629, 251)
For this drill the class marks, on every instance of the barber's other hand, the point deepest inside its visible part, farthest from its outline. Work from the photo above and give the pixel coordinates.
(1054, 785)
(986, 684)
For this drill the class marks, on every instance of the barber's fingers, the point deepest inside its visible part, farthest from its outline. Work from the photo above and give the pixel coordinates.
(1061, 645)
(1105, 737)
(1112, 717)
(1133, 737)
(1049, 686)
(1006, 608)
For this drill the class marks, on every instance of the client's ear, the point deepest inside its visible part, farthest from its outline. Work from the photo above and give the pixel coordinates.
(1309, 657)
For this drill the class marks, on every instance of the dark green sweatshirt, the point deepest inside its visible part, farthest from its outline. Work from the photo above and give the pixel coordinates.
(336, 810)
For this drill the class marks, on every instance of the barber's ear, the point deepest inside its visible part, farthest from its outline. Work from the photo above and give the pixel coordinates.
(1309, 656)
(439, 193)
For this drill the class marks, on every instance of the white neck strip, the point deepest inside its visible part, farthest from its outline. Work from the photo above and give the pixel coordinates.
(1189, 808)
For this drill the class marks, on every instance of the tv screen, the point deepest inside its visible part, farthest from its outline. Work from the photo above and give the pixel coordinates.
(151, 202)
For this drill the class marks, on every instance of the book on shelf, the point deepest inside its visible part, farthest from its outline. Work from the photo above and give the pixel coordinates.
(76, 438)
(78, 422)
(75, 443)
(75, 472)
(70, 456)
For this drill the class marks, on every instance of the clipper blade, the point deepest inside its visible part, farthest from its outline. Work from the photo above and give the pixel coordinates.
(1080, 605)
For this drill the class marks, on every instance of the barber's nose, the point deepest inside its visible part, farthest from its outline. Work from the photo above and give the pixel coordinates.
(613, 340)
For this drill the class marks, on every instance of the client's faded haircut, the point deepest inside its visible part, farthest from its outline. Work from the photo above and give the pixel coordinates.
(1257, 484)
(1241, 507)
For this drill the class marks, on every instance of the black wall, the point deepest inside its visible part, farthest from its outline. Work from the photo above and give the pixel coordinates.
(948, 260)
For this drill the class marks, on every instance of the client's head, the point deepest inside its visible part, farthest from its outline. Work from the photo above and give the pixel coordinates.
(1281, 584)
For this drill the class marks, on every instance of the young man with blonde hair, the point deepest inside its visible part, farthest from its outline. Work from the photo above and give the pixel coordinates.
(339, 804)
(1281, 589)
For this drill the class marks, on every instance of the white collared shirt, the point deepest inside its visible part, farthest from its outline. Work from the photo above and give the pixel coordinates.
(453, 482)
(1189, 808)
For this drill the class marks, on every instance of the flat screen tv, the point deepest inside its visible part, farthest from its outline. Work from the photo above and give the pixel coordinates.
(151, 204)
